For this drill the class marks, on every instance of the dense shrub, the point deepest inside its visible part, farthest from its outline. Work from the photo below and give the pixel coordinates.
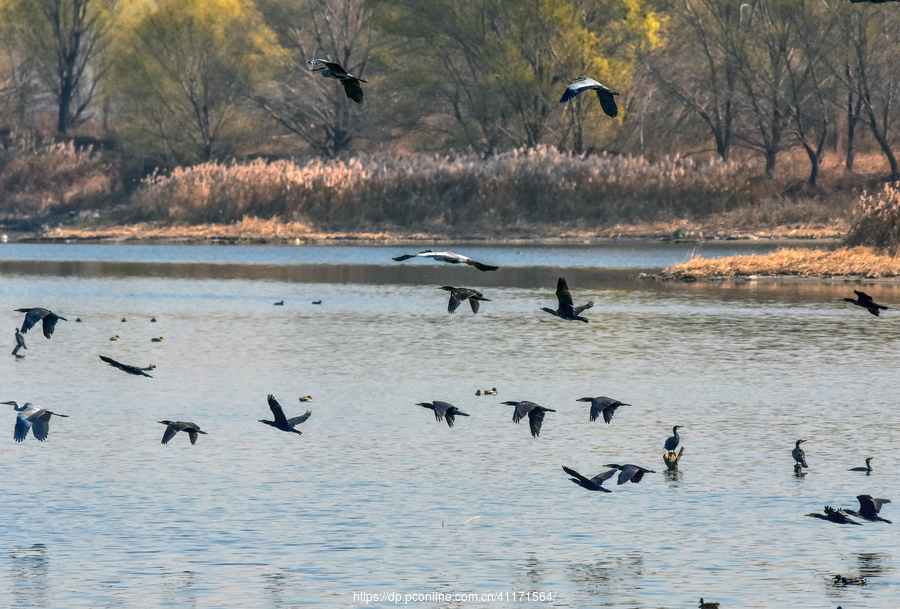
(878, 219)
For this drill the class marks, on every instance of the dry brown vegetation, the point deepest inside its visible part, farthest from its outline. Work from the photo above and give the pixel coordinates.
(35, 179)
(849, 262)
(878, 219)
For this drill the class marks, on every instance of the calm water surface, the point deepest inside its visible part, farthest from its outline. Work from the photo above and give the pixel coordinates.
(377, 497)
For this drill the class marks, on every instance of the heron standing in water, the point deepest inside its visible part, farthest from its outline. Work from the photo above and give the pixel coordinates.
(33, 417)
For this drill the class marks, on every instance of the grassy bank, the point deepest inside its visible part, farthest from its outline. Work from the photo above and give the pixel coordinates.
(843, 262)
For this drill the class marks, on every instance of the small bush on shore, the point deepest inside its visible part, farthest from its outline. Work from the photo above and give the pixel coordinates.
(433, 191)
(878, 219)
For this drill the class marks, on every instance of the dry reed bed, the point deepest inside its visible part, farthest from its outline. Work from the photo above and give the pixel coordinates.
(843, 262)
(878, 219)
(37, 179)
(540, 185)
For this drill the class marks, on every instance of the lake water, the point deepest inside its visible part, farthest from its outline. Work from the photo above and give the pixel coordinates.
(378, 498)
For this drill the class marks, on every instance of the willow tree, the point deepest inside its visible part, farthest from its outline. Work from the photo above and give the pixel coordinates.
(182, 72)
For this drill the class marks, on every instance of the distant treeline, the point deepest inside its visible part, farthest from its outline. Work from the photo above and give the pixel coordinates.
(180, 82)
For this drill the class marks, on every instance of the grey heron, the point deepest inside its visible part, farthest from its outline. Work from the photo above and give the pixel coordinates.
(604, 94)
(449, 257)
(330, 69)
(33, 417)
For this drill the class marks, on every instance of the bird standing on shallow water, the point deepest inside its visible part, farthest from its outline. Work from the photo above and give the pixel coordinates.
(604, 94)
(865, 301)
(173, 427)
(330, 69)
(834, 515)
(20, 343)
(869, 507)
(867, 468)
(799, 455)
(282, 422)
(459, 295)
(591, 484)
(33, 417)
(567, 309)
(449, 257)
(535, 414)
(36, 314)
(127, 367)
(442, 410)
(672, 443)
(606, 406)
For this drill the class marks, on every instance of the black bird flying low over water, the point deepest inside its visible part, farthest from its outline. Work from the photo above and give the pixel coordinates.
(444, 410)
(591, 484)
(33, 417)
(282, 422)
(173, 427)
(865, 301)
(629, 472)
(869, 507)
(448, 257)
(606, 406)
(36, 314)
(799, 455)
(330, 69)
(604, 94)
(567, 309)
(460, 295)
(834, 515)
(127, 367)
(535, 414)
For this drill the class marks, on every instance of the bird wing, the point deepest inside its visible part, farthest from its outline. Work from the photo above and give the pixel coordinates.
(563, 296)
(192, 434)
(580, 310)
(50, 323)
(352, 89)
(582, 84)
(474, 304)
(522, 408)
(450, 416)
(323, 64)
(480, 266)
(302, 418)
(440, 408)
(22, 427)
(610, 410)
(863, 297)
(32, 316)
(454, 301)
(404, 257)
(169, 433)
(608, 102)
(535, 420)
(277, 411)
(41, 426)
(601, 478)
(630, 473)
(575, 474)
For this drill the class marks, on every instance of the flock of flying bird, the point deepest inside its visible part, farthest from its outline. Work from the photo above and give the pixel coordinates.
(37, 419)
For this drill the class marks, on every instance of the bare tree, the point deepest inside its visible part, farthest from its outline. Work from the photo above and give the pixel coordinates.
(64, 40)
(314, 108)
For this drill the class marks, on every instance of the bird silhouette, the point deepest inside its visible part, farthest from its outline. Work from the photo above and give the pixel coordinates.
(604, 94)
(444, 410)
(36, 314)
(33, 417)
(135, 370)
(567, 309)
(535, 414)
(173, 427)
(282, 422)
(330, 69)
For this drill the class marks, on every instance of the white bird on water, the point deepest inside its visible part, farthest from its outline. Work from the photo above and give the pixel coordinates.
(604, 94)
(33, 417)
(450, 257)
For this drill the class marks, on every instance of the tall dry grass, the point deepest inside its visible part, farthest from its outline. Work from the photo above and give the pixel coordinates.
(539, 185)
(38, 179)
(877, 222)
